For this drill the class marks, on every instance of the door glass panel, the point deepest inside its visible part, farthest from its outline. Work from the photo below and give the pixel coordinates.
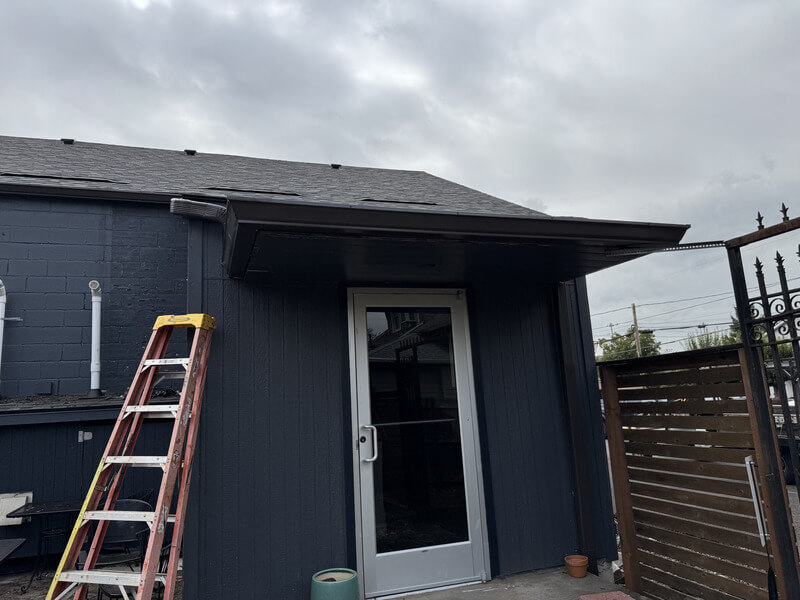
(419, 477)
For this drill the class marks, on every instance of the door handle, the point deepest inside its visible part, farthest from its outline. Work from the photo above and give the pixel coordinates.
(374, 431)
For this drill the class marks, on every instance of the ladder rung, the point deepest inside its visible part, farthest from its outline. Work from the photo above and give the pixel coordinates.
(156, 362)
(105, 577)
(146, 516)
(155, 411)
(119, 515)
(138, 461)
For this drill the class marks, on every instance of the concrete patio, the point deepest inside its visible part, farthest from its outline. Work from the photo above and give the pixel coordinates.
(10, 587)
(551, 584)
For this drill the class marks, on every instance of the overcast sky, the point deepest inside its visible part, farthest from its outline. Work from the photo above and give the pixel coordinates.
(683, 112)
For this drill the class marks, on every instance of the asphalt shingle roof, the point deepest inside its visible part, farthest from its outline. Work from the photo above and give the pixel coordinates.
(172, 172)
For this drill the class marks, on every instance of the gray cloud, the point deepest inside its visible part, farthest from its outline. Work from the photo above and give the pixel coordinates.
(656, 111)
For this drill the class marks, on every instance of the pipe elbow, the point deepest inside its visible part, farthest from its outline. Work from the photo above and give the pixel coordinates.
(94, 286)
(199, 210)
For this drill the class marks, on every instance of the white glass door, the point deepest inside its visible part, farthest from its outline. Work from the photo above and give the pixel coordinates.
(420, 490)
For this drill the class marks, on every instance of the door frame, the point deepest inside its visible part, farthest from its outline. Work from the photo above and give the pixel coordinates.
(354, 421)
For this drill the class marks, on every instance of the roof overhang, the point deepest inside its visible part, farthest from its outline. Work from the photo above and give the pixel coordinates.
(274, 239)
(266, 240)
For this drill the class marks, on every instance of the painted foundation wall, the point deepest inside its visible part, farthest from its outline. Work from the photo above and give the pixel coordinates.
(272, 498)
(50, 460)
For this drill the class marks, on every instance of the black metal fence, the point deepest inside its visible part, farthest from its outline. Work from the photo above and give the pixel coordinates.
(769, 322)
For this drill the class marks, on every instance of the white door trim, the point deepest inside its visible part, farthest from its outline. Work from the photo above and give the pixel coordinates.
(461, 293)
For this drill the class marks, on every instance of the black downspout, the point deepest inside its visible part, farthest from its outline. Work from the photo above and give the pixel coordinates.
(580, 472)
(194, 304)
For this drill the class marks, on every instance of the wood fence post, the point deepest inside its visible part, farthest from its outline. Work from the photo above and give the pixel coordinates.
(622, 488)
(768, 481)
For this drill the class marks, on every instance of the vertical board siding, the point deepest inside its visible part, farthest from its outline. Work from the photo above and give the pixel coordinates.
(591, 426)
(524, 439)
(271, 495)
(48, 460)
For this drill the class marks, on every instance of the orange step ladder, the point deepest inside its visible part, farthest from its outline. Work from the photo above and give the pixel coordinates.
(118, 457)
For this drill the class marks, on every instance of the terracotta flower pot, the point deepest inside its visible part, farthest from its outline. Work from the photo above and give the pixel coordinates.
(576, 565)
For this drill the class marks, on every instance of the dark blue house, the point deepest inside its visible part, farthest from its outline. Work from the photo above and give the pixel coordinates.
(402, 381)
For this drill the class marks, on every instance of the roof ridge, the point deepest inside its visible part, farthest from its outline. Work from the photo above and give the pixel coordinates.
(75, 142)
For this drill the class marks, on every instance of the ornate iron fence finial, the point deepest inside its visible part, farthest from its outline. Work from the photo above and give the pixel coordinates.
(784, 212)
(779, 260)
(760, 220)
(759, 266)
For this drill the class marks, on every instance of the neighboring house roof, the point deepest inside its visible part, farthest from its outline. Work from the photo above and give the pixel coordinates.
(169, 173)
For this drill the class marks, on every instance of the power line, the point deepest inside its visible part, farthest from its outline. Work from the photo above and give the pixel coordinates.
(670, 326)
(675, 328)
(667, 323)
(670, 311)
(686, 308)
(727, 317)
(686, 299)
(703, 319)
(611, 311)
(702, 326)
(676, 301)
(599, 327)
(689, 337)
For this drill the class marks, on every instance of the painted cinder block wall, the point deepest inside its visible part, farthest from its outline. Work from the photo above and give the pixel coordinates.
(50, 248)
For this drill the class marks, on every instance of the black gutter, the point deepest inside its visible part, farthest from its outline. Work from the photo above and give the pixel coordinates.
(402, 220)
(245, 217)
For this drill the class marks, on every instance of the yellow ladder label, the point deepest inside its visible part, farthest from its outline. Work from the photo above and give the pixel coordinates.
(198, 320)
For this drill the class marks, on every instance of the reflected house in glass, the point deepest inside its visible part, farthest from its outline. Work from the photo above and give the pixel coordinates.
(419, 483)
(402, 380)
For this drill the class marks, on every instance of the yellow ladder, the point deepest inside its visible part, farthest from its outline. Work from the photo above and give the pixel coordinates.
(118, 457)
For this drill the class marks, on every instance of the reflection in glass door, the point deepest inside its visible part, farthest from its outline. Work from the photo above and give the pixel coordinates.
(421, 519)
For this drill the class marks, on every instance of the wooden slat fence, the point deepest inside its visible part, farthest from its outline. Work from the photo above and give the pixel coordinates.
(679, 430)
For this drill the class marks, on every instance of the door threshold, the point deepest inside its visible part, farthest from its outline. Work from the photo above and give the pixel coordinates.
(426, 590)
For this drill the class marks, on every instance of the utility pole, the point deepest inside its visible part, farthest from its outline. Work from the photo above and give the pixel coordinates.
(636, 332)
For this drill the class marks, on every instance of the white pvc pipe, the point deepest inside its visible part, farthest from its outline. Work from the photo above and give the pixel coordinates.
(2, 322)
(97, 299)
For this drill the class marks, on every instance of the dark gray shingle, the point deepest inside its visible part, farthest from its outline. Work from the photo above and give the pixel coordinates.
(173, 172)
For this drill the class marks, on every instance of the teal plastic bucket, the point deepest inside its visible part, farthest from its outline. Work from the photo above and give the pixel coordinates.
(334, 584)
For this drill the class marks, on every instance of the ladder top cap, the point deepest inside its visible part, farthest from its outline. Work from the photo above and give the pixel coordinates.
(198, 320)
